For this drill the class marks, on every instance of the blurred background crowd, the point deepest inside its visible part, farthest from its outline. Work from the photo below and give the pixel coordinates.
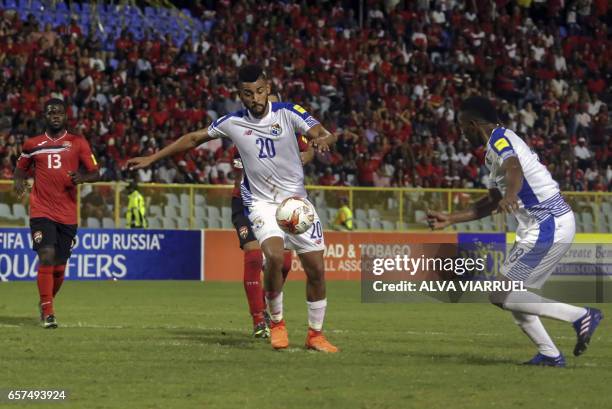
(386, 76)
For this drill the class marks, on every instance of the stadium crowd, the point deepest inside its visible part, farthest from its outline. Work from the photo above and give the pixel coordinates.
(390, 88)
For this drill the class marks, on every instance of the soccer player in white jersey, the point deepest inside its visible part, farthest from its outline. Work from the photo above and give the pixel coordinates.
(521, 185)
(264, 134)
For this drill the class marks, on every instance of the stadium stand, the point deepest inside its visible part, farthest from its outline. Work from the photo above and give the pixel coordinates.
(135, 78)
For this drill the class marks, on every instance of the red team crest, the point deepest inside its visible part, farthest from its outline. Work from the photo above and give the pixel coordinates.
(244, 231)
(37, 236)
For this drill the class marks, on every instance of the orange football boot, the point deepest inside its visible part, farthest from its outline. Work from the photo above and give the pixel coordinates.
(278, 335)
(317, 341)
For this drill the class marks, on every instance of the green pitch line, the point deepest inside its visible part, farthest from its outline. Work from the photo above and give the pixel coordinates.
(187, 345)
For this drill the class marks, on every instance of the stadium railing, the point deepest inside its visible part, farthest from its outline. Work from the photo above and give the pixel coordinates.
(194, 206)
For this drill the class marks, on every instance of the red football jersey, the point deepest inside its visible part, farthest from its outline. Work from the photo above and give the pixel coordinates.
(54, 195)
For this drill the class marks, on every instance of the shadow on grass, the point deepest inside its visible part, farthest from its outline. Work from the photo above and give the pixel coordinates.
(460, 358)
(18, 321)
(216, 337)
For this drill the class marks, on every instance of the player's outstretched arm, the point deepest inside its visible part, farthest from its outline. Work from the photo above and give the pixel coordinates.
(20, 182)
(308, 155)
(321, 138)
(182, 144)
(482, 208)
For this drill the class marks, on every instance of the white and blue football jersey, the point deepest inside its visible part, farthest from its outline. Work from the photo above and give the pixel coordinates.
(539, 197)
(269, 150)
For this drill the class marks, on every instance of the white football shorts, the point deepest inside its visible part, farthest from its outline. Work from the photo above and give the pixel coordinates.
(538, 249)
(263, 223)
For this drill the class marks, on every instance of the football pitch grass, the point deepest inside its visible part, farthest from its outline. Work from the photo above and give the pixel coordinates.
(175, 345)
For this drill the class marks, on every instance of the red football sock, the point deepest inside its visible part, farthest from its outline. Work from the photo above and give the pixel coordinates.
(253, 263)
(58, 278)
(45, 288)
(286, 265)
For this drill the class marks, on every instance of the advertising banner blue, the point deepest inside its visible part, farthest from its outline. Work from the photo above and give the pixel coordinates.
(106, 254)
(489, 246)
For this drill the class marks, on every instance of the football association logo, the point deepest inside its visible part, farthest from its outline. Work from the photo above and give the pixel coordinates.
(37, 236)
(276, 130)
(257, 223)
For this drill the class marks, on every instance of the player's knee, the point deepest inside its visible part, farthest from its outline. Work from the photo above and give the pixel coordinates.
(274, 262)
(46, 256)
(316, 274)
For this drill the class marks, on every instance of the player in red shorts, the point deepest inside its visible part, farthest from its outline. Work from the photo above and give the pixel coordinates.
(253, 256)
(55, 158)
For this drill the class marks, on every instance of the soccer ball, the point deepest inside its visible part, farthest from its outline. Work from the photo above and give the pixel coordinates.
(295, 215)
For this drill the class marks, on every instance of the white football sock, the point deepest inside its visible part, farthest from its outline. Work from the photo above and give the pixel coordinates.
(531, 303)
(532, 326)
(316, 313)
(275, 306)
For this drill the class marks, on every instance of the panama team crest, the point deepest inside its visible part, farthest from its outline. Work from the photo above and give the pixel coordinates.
(257, 223)
(276, 129)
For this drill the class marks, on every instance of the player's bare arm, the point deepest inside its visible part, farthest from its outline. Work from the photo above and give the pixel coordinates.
(321, 138)
(20, 182)
(308, 155)
(482, 208)
(84, 177)
(182, 144)
(514, 177)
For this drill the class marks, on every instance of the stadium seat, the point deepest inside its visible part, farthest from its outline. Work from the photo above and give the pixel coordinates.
(387, 225)
(184, 211)
(168, 223)
(375, 224)
(487, 224)
(214, 222)
(226, 213)
(200, 200)
(108, 223)
(199, 224)
(472, 226)
(182, 223)
(511, 223)
(200, 212)
(170, 211)
(155, 210)
(5, 211)
(361, 214)
(324, 219)
(226, 223)
(213, 212)
(172, 200)
(373, 214)
(420, 216)
(319, 201)
(19, 210)
(185, 199)
(92, 223)
(331, 213)
(154, 223)
(123, 223)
